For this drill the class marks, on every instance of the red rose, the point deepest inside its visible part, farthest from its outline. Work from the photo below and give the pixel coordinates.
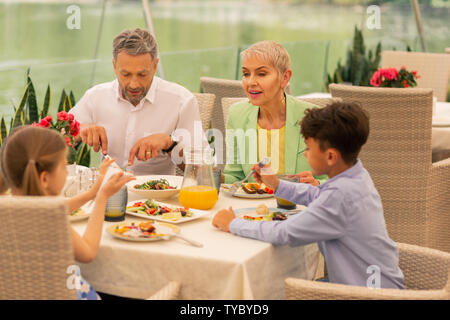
(74, 128)
(44, 123)
(405, 83)
(376, 79)
(63, 116)
(68, 141)
(71, 117)
(48, 119)
(34, 124)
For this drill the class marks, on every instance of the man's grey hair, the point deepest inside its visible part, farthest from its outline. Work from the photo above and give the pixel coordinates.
(135, 42)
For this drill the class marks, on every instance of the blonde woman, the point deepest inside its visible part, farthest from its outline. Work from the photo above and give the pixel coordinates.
(268, 123)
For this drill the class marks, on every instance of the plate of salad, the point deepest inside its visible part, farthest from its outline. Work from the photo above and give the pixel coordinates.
(154, 210)
(250, 191)
(141, 231)
(157, 187)
(81, 213)
(261, 213)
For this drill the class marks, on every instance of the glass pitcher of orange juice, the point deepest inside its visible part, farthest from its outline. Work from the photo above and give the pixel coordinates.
(198, 189)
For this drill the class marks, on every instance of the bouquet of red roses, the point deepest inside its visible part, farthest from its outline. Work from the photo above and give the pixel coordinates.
(393, 78)
(66, 125)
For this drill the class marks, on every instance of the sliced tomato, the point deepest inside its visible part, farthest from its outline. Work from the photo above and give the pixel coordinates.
(150, 211)
(167, 209)
(138, 204)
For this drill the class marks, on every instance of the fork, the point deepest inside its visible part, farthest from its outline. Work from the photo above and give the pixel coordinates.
(237, 184)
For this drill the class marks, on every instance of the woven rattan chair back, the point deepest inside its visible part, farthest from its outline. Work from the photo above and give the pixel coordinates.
(36, 249)
(433, 68)
(205, 105)
(426, 272)
(397, 154)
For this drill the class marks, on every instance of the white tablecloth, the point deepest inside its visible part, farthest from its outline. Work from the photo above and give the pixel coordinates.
(440, 134)
(227, 267)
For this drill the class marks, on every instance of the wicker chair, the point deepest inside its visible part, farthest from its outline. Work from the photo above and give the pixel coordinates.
(36, 249)
(426, 272)
(434, 68)
(414, 191)
(205, 106)
(205, 103)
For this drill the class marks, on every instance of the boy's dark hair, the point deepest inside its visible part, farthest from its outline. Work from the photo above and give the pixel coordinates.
(340, 125)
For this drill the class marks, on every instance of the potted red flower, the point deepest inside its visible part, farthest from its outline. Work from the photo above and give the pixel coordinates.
(66, 125)
(393, 78)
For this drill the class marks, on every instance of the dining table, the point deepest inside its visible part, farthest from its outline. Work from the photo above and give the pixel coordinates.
(226, 267)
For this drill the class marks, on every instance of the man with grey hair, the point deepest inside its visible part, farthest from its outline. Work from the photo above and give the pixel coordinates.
(138, 115)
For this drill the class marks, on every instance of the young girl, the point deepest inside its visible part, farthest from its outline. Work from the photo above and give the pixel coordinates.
(33, 163)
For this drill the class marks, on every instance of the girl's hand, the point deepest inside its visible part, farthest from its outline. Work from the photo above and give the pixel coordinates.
(101, 174)
(104, 166)
(115, 183)
(266, 175)
(307, 177)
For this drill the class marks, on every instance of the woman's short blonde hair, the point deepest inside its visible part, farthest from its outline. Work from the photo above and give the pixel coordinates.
(270, 51)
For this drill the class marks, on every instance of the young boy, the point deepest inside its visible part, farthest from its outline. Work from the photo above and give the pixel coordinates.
(344, 214)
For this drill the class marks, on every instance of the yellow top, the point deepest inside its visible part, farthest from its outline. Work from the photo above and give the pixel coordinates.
(272, 142)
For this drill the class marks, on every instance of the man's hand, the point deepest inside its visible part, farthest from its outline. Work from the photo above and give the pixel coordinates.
(149, 147)
(307, 177)
(223, 218)
(266, 176)
(94, 136)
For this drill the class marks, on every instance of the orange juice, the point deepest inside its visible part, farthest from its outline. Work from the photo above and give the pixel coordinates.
(198, 197)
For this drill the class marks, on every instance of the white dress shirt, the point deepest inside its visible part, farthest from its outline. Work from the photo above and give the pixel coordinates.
(167, 108)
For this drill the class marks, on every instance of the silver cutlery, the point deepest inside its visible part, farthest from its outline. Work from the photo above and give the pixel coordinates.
(169, 231)
(235, 186)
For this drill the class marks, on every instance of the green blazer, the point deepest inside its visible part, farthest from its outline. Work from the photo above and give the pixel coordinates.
(243, 115)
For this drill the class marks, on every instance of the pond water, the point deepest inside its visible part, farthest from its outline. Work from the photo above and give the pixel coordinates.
(196, 38)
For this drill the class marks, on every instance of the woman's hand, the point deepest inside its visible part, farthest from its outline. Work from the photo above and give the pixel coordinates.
(307, 177)
(223, 218)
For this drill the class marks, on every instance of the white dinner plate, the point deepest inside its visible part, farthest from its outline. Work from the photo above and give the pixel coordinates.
(175, 181)
(196, 214)
(242, 194)
(83, 214)
(159, 236)
(240, 213)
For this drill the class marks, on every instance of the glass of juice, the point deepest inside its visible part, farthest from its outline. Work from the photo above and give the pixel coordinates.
(198, 190)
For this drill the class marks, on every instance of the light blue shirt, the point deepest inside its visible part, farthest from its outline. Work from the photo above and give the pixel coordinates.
(345, 216)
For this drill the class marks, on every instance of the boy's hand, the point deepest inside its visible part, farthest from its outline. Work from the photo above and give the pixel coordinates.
(223, 218)
(307, 177)
(115, 183)
(266, 175)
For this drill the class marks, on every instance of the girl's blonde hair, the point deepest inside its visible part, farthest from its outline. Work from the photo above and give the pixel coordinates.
(26, 154)
(270, 51)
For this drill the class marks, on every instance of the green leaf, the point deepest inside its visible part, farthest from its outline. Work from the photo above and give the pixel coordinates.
(67, 104)
(62, 100)
(72, 99)
(33, 114)
(3, 131)
(46, 105)
(83, 155)
(17, 119)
